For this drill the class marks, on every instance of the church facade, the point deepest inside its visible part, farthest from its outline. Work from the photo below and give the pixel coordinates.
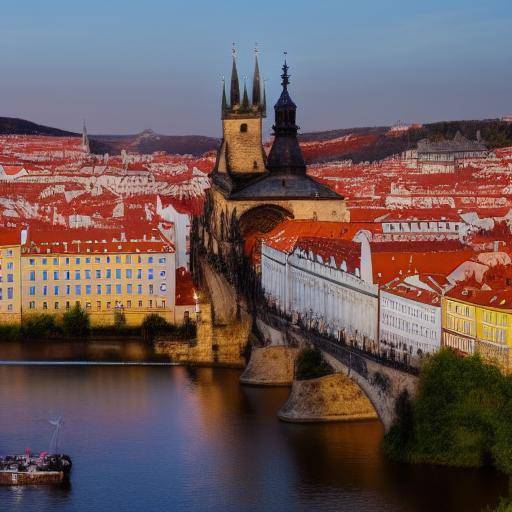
(251, 192)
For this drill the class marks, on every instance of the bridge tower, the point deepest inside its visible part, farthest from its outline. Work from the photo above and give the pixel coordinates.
(251, 194)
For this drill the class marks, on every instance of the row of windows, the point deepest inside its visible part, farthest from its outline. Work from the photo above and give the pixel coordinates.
(97, 259)
(408, 310)
(101, 305)
(460, 325)
(459, 309)
(10, 293)
(10, 278)
(99, 289)
(493, 334)
(406, 326)
(7, 253)
(67, 275)
(9, 266)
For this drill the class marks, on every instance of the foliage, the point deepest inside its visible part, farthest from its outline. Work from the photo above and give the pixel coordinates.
(9, 332)
(505, 505)
(311, 365)
(461, 416)
(38, 326)
(76, 322)
(119, 319)
(154, 326)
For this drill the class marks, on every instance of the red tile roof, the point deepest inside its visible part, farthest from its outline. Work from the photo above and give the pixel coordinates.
(184, 288)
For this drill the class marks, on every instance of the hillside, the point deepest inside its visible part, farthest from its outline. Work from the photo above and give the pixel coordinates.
(376, 143)
(145, 142)
(148, 142)
(13, 125)
(356, 144)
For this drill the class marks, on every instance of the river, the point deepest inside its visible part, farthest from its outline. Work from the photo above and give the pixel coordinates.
(172, 438)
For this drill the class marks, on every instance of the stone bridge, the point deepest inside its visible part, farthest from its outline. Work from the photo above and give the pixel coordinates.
(381, 383)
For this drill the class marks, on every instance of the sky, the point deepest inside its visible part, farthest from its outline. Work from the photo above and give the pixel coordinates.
(126, 65)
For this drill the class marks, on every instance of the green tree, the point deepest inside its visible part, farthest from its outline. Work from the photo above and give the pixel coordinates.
(461, 415)
(38, 326)
(119, 319)
(311, 364)
(153, 325)
(76, 322)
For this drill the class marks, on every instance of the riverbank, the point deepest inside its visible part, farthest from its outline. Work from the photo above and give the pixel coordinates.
(461, 416)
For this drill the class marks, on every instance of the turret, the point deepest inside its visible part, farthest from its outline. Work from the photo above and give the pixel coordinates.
(234, 97)
(285, 154)
(242, 149)
(256, 85)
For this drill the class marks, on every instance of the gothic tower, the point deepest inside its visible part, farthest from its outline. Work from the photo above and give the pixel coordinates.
(241, 154)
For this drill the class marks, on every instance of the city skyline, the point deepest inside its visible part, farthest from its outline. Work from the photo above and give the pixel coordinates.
(125, 70)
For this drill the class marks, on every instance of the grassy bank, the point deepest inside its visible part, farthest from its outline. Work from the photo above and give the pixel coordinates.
(461, 416)
(76, 324)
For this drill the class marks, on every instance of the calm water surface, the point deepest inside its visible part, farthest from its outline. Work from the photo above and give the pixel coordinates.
(180, 439)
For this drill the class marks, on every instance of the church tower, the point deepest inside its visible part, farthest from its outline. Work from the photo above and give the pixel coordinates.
(241, 154)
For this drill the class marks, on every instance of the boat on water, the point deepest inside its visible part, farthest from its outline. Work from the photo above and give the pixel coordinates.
(45, 468)
(34, 469)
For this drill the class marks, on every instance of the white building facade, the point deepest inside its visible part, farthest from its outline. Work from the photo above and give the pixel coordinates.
(331, 288)
(409, 320)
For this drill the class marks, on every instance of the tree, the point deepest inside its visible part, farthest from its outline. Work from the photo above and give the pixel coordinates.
(76, 322)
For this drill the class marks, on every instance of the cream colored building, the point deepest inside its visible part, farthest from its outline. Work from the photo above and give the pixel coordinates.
(136, 278)
(10, 289)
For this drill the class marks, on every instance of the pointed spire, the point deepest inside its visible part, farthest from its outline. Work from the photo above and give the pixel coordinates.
(235, 87)
(85, 139)
(245, 100)
(256, 85)
(264, 105)
(285, 76)
(224, 106)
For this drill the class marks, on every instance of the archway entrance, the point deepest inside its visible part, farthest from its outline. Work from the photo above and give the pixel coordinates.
(257, 221)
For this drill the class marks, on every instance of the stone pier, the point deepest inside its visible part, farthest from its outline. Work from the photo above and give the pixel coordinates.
(331, 398)
(270, 366)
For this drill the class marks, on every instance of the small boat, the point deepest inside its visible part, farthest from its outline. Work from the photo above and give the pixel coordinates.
(45, 468)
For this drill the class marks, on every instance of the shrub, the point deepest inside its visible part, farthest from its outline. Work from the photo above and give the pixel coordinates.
(9, 332)
(311, 365)
(76, 322)
(38, 326)
(119, 319)
(153, 325)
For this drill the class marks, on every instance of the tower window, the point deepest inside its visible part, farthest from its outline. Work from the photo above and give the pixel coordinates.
(243, 127)
(255, 165)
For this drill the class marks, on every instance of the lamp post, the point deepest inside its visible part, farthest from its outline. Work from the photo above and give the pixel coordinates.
(197, 308)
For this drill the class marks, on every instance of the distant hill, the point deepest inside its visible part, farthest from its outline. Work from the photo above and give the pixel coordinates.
(145, 142)
(13, 125)
(357, 144)
(148, 142)
(376, 143)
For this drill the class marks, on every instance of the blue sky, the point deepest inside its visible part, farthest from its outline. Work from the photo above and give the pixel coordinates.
(126, 65)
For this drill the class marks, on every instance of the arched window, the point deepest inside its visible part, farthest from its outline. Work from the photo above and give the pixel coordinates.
(243, 127)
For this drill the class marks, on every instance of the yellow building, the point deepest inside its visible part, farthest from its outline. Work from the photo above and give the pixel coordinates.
(10, 265)
(135, 278)
(479, 321)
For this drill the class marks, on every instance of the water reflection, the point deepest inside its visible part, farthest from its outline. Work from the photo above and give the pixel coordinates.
(160, 438)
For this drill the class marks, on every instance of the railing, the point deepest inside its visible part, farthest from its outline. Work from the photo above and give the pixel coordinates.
(350, 355)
